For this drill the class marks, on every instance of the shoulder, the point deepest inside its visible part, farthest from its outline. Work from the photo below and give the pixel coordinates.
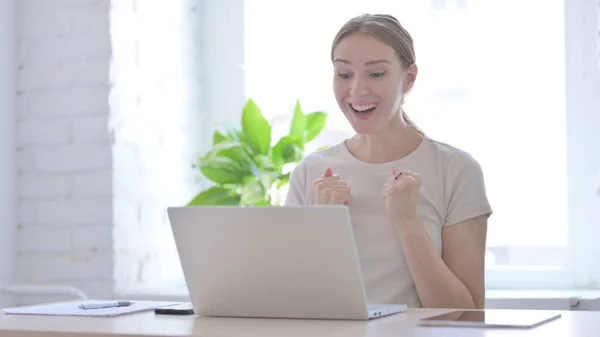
(463, 183)
(451, 159)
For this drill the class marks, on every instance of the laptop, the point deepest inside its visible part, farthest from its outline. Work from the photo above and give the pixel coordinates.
(272, 262)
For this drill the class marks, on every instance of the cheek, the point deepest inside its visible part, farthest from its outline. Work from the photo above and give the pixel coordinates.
(391, 92)
(385, 91)
(340, 90)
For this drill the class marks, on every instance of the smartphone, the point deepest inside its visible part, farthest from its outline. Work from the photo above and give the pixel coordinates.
(180, 309)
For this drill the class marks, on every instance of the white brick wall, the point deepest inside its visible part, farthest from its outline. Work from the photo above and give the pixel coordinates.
(64, 163)
(7, 144)
(104, 148)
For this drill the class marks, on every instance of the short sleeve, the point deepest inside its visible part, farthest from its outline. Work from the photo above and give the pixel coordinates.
(297, 186)
(465, 190)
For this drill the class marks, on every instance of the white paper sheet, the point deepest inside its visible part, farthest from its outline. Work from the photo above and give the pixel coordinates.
(72, 308)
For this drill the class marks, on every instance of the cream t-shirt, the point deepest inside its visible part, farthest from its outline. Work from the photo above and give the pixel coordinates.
(452, 190)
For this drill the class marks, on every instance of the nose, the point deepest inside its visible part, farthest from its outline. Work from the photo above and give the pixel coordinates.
(359, 87)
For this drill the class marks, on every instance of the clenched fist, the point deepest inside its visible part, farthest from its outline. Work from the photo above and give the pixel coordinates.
(401, 193)
(331, 190)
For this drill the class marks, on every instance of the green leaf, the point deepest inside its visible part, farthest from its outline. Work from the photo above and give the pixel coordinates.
(264, 162)
(231, 132)
(236, 151)
(288, 153)
(252, 193)
(298, 126)
(218, 138)
(215, 196)
(285, 149)
(255, 128)
(228, 148)
(315, 122)
(222, 170)
(284, 180)
(267, 179)
(252, 169)
(226, 131)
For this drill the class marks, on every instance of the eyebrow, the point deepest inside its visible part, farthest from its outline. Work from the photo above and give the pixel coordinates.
(367, 63)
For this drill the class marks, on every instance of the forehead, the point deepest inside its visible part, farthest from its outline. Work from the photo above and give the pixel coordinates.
(360, 48)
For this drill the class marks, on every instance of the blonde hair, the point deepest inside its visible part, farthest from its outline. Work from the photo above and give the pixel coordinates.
(388, 29)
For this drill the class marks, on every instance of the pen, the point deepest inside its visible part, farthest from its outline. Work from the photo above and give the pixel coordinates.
(105, 305)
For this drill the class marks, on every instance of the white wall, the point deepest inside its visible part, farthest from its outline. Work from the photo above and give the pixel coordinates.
(111, 116)
(64, 191)
(7, 163)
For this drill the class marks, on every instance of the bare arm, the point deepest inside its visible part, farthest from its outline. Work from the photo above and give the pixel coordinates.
(456, 280)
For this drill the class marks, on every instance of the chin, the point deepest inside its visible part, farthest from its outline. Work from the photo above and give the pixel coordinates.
(366, 129)
(362, 130)
(370, 125)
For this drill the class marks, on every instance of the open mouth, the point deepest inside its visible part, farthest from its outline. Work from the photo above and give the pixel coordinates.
(363, 111)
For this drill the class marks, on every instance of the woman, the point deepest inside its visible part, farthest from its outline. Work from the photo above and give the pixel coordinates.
(419, 207)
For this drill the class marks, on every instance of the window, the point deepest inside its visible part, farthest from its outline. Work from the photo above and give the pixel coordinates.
(492, 81)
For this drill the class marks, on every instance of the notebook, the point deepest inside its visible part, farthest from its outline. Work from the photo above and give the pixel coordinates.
(72, 309)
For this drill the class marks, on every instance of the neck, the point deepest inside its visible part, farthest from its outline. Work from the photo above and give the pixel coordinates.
(394, 142)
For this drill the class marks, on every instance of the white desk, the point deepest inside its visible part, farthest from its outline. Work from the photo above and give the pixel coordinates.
(571, 324)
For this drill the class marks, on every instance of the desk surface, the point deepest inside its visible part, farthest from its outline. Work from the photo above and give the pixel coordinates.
(572, 323)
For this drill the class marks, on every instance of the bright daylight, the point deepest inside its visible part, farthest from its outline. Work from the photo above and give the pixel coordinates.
(276, 168)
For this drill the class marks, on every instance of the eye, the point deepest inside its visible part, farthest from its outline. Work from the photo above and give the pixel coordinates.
(377, 75)
(343, 76)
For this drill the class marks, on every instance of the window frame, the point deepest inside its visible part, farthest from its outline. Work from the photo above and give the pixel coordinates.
(582, 66)
(582, 83)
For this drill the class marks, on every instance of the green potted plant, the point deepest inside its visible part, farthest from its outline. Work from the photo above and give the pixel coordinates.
(243, 165)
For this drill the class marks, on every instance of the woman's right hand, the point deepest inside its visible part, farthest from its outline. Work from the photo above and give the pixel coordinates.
(331, 190)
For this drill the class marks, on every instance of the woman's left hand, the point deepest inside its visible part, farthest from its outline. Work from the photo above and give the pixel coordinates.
(401, 193)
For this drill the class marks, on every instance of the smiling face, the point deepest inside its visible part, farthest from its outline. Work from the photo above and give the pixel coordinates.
(368, 82)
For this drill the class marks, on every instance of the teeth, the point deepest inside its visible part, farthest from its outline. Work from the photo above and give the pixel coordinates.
(363, 107)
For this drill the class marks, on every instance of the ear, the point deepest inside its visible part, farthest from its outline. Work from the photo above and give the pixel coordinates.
(411, 77)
